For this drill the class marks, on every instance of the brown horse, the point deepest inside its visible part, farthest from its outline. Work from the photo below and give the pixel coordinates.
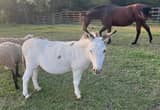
(112, 15)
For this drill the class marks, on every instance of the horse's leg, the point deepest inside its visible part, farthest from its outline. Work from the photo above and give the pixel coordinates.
(86, 22)
(15, 78)
(76, 80)
(109, 40)
(106, 22)
(102, 29)
(26, 77)
(138, 28)
(146, 27)
(34, 80)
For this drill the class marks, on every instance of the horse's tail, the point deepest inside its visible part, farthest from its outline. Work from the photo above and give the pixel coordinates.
(146, 11)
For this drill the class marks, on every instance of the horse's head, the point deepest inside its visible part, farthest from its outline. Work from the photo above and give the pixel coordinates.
(97, 50)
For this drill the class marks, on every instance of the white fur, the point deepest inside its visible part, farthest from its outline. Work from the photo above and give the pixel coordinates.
(57, 57)
(16, 40)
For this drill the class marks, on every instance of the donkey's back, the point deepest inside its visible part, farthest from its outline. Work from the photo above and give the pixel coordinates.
(53, 56)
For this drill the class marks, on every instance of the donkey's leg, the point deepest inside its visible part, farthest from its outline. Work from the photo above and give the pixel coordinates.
(17, 70)
(138, 28)
(146, 27)
(26, 77)
(34, 80)
(15, 78)
(76, 80)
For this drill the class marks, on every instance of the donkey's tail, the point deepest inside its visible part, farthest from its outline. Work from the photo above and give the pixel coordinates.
(23, 62)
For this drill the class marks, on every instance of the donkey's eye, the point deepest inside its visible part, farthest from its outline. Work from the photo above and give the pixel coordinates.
(104, 51)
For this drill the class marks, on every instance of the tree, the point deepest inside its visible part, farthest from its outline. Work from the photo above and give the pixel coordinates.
(126, 2)
(9, 9)
(75, 4)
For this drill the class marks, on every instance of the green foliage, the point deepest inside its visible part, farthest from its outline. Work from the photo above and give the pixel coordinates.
(75, 4)
(41, 6)
(24, 11)
(9, 10)
(82, 4)
(126, 2)
(3, 17)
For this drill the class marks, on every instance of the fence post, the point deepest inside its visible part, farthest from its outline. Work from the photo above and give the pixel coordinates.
(53, 18)
(159, 14)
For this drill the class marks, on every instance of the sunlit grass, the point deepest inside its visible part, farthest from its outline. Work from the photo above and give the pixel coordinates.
(130, 79)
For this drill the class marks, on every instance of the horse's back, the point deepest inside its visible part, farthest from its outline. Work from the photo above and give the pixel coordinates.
(120, 11)
(100, 11)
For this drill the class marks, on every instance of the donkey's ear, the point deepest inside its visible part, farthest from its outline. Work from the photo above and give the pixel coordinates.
(107, 36)
(97, 34)
(90, 36)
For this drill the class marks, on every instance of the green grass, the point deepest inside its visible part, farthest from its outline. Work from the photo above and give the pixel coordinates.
(130, 79)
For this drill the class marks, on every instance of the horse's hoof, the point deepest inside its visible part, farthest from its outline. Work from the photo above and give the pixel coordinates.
(109, 41)
(133, 43)
(150, 41)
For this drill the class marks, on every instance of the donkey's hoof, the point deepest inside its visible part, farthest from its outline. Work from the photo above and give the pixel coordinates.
(27, 96)
(78, 98)
(38, 89)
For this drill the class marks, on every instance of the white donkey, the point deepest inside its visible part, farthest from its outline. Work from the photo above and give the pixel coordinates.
(59, 57)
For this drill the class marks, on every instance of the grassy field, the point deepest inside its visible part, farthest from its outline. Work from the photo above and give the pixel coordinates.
(130, 79)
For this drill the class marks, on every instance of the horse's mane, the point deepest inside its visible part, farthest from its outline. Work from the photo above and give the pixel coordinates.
(104, 6)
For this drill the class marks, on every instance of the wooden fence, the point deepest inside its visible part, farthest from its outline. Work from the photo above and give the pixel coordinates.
(155, 12)
(68, 16)
(74, 17)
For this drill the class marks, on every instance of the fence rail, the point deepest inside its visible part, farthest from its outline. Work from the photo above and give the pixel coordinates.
(74, 16)
(68, 16)
(155, 12)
